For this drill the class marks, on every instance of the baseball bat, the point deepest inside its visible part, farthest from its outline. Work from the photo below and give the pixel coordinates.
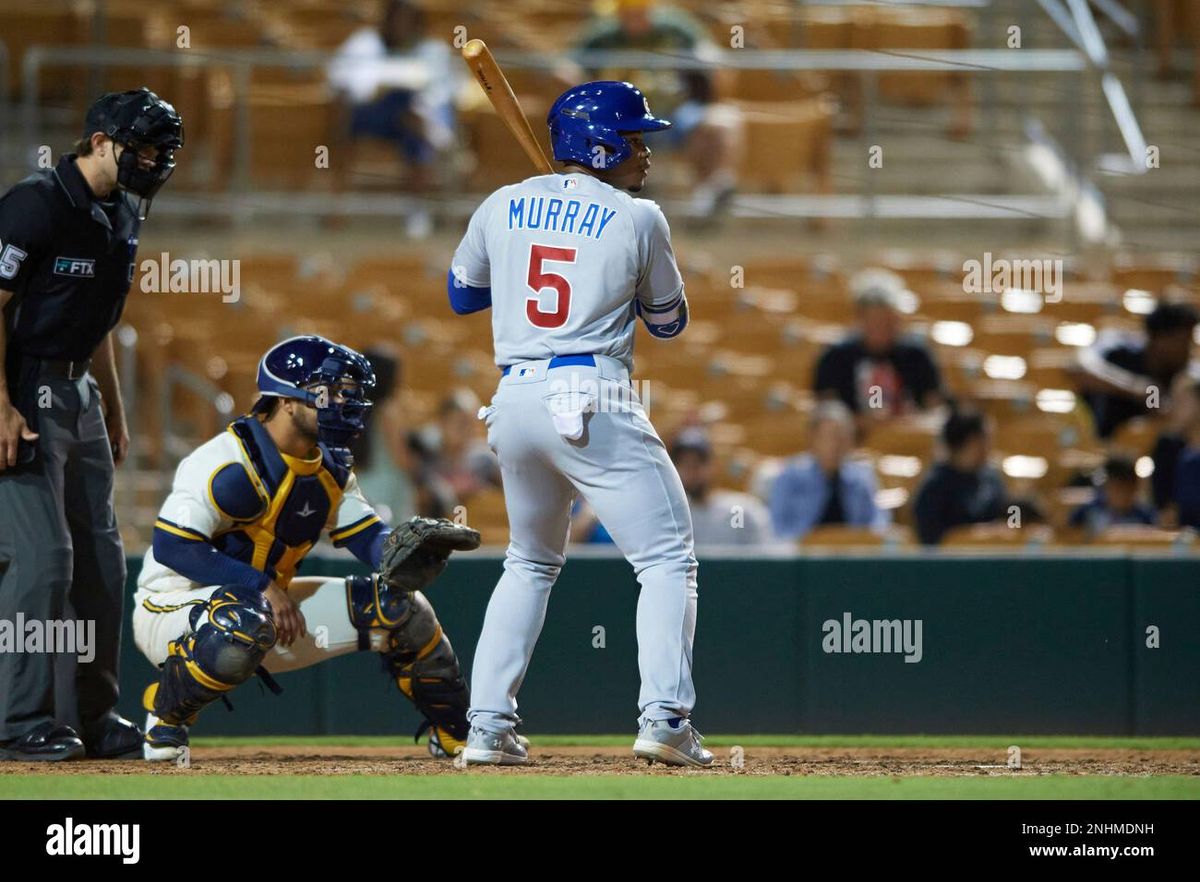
(483, 65)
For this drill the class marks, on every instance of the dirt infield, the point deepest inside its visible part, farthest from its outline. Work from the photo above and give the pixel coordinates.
(584, 760)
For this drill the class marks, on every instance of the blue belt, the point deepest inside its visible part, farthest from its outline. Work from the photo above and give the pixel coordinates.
(560, 361)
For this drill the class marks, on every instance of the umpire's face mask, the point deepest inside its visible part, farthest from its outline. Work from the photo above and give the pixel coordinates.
(142, 170)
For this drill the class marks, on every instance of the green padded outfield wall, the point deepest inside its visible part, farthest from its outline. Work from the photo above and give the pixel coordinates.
(1031, 645)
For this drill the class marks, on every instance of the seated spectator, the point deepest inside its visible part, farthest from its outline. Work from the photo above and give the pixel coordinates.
(1116, 501)
(1167, 447)
(964, 488)
(710, 131)
(719, 517)
(876, 372)
(1187, 468)
(435, 498)
(823, 487)
(1116, 374)
(382, 461)
(455, 447)
(400, 86)
(585, 526)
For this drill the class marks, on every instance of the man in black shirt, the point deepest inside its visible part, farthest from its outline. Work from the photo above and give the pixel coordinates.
(964, 489)
(68, 242)
(875, 371)
(1121, 378)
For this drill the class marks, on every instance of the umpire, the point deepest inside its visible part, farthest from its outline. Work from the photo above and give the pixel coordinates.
(68, 243)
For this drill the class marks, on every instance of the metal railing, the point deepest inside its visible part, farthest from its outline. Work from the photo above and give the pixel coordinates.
(177, 376)
(239, 202)
(1076, 21)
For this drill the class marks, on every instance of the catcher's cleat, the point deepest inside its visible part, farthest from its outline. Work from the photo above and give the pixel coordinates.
(163, 742)
(495, 748)
(674, 742)
(443, 745)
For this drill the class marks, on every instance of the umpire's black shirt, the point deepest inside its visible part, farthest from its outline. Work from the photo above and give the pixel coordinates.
(68, 258)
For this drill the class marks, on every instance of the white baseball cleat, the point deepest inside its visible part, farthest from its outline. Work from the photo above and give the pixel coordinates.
(163, 742)
(674, 742)
(496, 749)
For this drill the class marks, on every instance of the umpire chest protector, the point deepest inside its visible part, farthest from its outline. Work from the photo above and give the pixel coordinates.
(69, 260)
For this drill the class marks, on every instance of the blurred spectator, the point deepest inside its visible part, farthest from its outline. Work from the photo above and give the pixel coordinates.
(455, 447)
(1186, 496)
(822, 486)
(1116, 501)
(964, 488)
(710, 131)
(719, 517)
(435, 496)
(1115, 375)
(1181, 411)
(876, 371)
(381, 456)
(400, 86)
(585, 526)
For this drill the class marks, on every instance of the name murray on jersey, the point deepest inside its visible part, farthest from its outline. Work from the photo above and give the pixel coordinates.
(552, 214)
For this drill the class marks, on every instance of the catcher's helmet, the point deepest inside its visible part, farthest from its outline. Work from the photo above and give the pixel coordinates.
(332, 378)
(595, 114)
(137, 119)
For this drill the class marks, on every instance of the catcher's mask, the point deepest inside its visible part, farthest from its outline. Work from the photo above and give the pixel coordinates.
(138, 119)
(325, 375)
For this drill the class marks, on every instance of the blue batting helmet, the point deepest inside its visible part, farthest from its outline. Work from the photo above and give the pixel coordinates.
(328, 376)
(594, 115)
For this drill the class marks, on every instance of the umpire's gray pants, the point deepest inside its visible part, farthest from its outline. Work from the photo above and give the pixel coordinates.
(61, 558)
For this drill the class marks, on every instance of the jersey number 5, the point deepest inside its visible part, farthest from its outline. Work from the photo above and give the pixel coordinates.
(539, 279)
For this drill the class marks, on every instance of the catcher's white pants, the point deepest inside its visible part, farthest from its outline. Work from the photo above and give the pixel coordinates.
(162, 616)
(548, 452)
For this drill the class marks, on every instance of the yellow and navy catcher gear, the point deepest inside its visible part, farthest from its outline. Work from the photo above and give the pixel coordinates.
(418, 656)
(230, 634)
(243, 512)
(415, 553)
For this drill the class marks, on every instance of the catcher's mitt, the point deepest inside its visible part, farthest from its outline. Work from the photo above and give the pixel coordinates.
(415, 553)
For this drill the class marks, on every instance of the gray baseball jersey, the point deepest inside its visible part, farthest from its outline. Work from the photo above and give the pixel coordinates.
(565, 256)
(571, 262)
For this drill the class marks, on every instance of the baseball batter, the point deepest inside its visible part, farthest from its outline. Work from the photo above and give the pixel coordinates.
(568, 262)
(216, 600)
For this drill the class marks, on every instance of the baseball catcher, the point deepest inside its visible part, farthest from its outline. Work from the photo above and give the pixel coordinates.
(217, 601)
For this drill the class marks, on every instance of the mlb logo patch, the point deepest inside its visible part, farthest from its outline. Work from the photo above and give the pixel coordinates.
(570, 184)
(526, 372)
(74, 266)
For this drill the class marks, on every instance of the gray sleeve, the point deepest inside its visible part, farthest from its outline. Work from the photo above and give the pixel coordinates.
(659, 284)
(471, 265)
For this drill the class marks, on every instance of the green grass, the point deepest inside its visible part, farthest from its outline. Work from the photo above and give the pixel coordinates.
(1115, 742)
(485, 785)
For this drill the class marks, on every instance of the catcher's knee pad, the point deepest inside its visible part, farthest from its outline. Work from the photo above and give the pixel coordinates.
(229, 636)
(418, 654)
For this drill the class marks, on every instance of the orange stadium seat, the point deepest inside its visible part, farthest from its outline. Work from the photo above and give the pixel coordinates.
(787, 146)
(841, 536)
